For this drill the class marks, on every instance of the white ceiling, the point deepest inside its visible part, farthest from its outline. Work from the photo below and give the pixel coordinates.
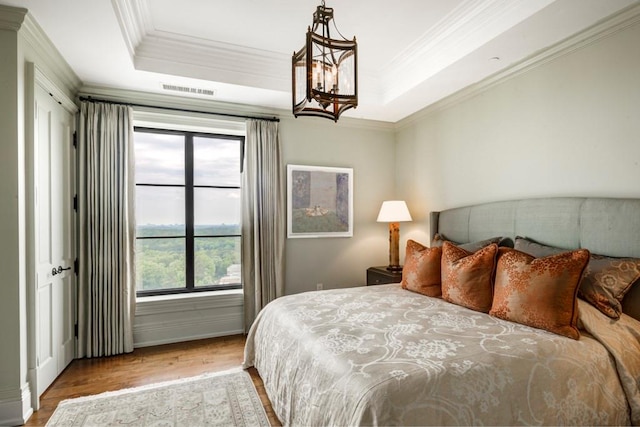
(411, 53)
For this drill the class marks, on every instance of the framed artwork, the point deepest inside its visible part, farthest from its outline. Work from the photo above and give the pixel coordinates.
(319, 201)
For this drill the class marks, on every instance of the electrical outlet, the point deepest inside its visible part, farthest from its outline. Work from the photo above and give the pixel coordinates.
(319, 287)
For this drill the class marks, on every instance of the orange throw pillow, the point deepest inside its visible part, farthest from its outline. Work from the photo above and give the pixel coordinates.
(421, 272)
(539, 292)
(467, 277)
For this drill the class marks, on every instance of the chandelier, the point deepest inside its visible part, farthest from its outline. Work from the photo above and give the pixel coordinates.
(325, 78)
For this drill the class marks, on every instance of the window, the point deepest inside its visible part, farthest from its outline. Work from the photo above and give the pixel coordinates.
(187, 211)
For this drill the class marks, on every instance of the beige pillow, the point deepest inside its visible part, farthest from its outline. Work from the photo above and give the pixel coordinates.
(421, 272)
(539, 292)
(467, 277)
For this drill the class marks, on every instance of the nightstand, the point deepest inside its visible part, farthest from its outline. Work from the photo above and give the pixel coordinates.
(381, 276)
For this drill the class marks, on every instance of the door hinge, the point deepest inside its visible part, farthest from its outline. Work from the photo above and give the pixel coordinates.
(75, 203)
(75, 139)
(75, 330)
(76, 266)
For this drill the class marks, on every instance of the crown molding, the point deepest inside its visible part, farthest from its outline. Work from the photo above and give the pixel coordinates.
(620, 21)
(20, 20)
(206, 106)
(344, 122)
(48, 55)
(463, 30)
(218, 107)
(462, 17)
(54, 91)
(197, 58)
(133, 16)
(170, 53)
(11, 18)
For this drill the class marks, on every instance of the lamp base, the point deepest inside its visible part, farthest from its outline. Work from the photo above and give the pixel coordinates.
(394, 267)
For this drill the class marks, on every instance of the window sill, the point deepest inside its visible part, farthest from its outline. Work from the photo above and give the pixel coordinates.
(160, 304)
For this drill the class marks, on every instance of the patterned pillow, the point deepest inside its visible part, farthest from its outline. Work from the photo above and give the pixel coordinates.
(467, 277)
(605, 282)
(421, 272)
(539, 292)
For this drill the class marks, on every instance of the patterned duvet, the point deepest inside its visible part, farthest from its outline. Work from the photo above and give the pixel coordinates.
(381, 355)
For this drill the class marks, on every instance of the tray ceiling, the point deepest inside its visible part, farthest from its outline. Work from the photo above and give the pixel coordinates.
(412, 53)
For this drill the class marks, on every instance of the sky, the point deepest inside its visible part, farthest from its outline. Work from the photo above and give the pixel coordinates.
(159, 159)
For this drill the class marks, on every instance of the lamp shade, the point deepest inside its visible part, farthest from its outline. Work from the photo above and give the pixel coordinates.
(394, 211)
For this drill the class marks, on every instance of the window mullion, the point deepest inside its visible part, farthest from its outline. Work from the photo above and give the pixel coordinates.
(189, 211)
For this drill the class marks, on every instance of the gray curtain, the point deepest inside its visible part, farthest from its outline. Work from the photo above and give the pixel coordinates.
(263, 219)
(106, 285)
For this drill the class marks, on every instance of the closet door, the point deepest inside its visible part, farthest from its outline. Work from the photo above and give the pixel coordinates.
(54, 178)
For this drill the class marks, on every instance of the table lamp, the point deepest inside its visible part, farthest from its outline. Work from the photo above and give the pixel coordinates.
(394, 212)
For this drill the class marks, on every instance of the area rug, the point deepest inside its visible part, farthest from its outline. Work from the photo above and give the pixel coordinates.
(226, 398)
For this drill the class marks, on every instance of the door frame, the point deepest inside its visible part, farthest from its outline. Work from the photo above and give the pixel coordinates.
(35, 77)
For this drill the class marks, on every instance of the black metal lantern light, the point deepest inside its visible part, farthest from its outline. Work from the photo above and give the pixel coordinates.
(325, 78)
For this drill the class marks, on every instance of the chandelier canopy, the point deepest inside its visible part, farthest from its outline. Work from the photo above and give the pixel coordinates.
(325, 78)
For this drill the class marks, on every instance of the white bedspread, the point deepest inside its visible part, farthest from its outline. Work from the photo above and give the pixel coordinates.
(381, 355)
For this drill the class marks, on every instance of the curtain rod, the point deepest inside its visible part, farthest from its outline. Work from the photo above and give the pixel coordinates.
(184, 110)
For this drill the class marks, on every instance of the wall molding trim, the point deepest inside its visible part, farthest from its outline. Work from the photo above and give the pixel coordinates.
(601, 30)
(132, 23)
(12, 18)
(207, 106)
(15, 406)
(150, 306)
(468, 26)
(213, 107)
(184, 325)
(54, 90)
(49, 56)
(170, 319)
(165, 52)
(189, 328)
(190, 57)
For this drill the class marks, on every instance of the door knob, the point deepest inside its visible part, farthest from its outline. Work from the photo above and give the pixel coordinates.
(59, 270)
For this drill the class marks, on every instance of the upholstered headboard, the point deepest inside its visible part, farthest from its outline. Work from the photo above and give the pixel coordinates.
(605, 226)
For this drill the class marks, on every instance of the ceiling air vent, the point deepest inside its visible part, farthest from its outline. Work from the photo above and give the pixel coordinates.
(188, 90)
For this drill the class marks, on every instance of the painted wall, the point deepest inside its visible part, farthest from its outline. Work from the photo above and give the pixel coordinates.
(569, 127)
(13, 349)
(368, 148)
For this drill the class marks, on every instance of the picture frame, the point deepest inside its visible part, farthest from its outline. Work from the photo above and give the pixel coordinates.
(319, 201)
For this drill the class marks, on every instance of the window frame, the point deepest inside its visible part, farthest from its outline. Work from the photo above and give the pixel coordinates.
(189, 187)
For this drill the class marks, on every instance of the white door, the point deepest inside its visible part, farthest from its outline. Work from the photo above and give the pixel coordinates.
(54, 182)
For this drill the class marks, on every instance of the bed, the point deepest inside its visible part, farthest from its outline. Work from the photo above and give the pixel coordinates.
(383, 355)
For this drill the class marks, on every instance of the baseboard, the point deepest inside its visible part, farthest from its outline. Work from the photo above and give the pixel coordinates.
(15, 411)
(147, 341)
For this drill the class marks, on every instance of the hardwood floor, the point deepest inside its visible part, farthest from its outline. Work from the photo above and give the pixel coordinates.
(145, 366)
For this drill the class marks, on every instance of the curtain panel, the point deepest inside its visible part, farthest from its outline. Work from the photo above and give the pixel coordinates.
(106, 280)
(263, 219)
